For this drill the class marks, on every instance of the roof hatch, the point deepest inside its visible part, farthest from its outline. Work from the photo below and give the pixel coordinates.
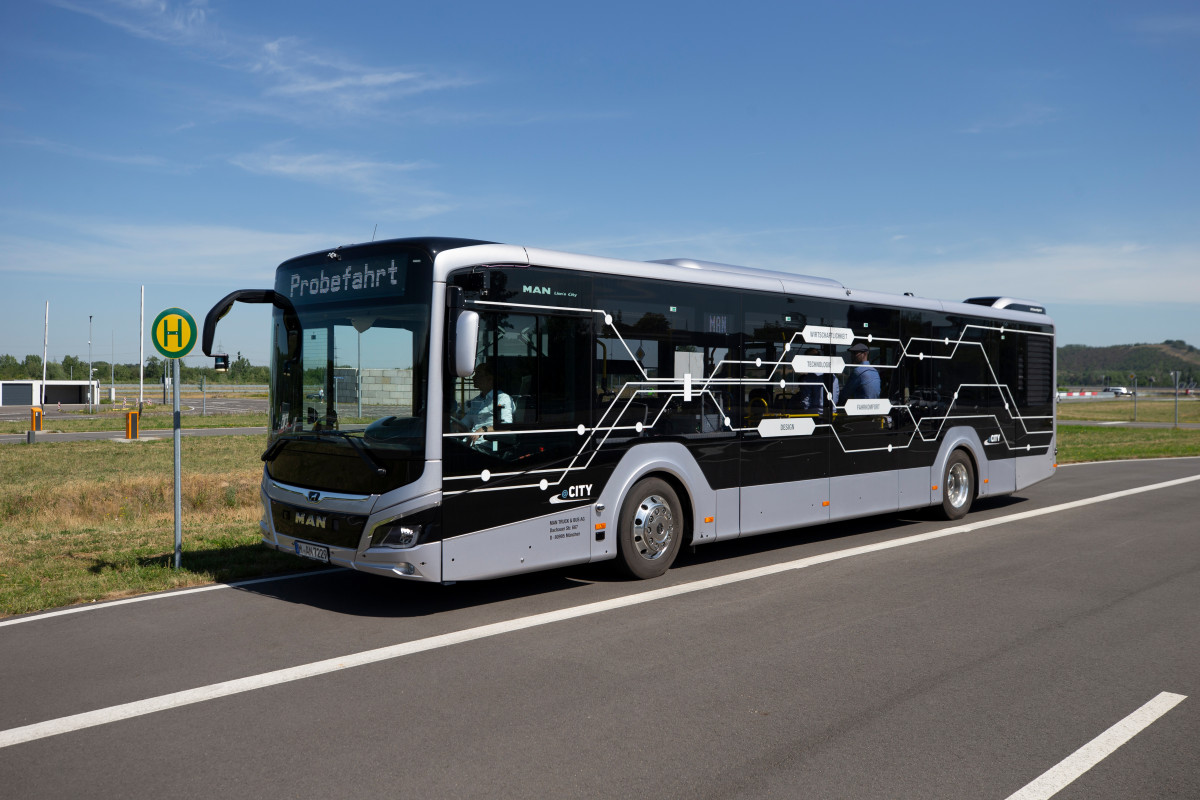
(1011, 303)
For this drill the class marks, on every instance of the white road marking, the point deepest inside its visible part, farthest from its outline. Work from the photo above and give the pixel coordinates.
(1056, 778)
(103, 716)
(160, 596)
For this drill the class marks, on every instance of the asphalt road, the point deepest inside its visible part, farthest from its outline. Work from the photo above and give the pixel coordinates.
(964, 666)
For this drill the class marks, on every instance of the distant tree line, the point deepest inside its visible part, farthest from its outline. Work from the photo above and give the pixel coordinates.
(75, 368)
(1080, 365)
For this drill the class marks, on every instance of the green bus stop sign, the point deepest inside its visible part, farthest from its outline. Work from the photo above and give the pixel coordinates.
(174, 333)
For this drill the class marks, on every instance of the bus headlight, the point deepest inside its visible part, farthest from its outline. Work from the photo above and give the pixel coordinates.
(396, 534)
(408, 531)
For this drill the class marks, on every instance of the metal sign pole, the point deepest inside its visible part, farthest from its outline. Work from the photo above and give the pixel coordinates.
(174, 333)
(178, 482)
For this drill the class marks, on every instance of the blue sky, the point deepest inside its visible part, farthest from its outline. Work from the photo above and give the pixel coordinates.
(1041, 150)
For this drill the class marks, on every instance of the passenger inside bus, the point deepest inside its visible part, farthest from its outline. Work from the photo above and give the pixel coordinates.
(863, 383)
(814, 386)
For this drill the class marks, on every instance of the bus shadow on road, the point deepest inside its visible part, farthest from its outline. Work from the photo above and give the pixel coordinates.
(842, 535)
(363, 595)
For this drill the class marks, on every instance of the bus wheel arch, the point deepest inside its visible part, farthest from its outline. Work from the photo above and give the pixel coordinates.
(653, 525)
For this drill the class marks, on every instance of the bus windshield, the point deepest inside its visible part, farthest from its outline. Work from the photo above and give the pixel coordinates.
(349, 365)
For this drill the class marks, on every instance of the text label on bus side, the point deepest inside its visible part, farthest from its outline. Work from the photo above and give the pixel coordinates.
(790, 426)
(817, 334)
(819, 365)
(868, 407)
(566, 527)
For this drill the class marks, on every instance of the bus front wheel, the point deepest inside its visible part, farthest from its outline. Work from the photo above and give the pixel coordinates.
(650, 529)
(958, 486)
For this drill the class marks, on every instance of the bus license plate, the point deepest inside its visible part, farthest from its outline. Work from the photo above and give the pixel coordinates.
(312, 551)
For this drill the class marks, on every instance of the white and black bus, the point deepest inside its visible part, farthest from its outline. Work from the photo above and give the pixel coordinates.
(449, 409)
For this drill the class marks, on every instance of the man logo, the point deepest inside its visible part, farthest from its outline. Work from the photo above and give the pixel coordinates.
(535, 289)
(314, 497)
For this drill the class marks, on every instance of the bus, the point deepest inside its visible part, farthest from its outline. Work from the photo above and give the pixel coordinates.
(451, 409)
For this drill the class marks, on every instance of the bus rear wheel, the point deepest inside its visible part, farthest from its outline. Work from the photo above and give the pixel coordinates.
(650, 529)
(958, 486)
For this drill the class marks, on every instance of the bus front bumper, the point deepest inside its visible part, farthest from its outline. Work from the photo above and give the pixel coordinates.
(420, 563)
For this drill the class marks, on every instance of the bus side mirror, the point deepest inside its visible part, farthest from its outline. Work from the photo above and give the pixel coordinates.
(220, 362)
(466, 332)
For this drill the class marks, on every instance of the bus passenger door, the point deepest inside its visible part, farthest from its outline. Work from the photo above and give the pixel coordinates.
(873, 430)
(525, 474)
(787, 406)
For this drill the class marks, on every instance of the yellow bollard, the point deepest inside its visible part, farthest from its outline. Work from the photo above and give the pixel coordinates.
(131, 424)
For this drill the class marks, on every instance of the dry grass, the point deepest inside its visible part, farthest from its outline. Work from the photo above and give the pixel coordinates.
(85, 521)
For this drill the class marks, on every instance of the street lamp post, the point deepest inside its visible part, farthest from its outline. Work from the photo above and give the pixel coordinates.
(1175, 375)
(89, 363)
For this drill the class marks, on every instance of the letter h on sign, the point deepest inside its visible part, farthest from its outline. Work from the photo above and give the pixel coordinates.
(177, 332)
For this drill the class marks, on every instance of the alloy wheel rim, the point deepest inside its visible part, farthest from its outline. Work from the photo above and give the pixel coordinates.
(957, 485)
(653, 528)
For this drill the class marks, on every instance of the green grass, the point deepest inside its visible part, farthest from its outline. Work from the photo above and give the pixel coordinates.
(1078, 443)
(1121, 410)
(87, 521)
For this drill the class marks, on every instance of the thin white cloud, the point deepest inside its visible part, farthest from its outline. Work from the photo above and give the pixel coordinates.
(289, 76)
(372, 80)
(1028, 116)
(364, 176)
(157, 20)
(1099, 273)
(62, 149)
(86, 248)
(1106, 273)
(420, 211)
(1181, 25)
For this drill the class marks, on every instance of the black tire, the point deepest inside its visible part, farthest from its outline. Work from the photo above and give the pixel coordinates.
(958, 486)
(650, 529)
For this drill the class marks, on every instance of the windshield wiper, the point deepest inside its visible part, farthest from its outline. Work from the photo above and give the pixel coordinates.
(272, 452)
(275, 449)
(359, 448)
